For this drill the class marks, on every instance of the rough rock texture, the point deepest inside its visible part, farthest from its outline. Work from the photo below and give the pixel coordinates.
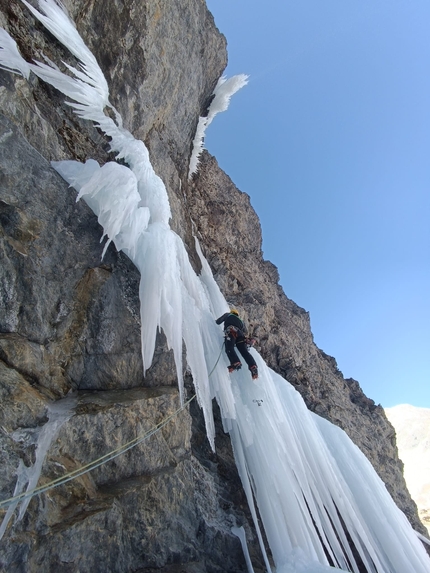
(69, 321)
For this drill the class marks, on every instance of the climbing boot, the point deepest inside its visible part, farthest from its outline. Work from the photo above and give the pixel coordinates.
(254, 372)
(235, 366)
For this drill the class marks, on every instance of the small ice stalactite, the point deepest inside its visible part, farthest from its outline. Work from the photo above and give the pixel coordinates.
(10, 58)
(240, 533)
(27, 477)
(21, 482)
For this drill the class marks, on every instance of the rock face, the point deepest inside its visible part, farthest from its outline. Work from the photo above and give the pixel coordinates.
(69, 321)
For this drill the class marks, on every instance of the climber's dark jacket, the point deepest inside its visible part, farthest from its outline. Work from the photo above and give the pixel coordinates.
(235, 339)
(230, 319)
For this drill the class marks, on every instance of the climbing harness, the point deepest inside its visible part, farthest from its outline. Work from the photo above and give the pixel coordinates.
(103, 459)
(232, 331)
(217, 360)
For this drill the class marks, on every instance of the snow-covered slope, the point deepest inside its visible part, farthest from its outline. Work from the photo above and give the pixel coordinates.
(412, 427)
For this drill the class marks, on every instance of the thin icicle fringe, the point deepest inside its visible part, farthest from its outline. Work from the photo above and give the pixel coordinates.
(123, 219)
(222, 93)
(54, 17)
(10, 58)
(135, 215)
(27, 477)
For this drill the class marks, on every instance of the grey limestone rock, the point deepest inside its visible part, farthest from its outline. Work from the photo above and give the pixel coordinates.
(70, 321)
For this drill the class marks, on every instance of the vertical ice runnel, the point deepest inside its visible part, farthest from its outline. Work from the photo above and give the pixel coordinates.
(308, 480)
(27, 477)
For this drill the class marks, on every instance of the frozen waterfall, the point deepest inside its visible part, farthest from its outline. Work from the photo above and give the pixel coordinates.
(311, 484)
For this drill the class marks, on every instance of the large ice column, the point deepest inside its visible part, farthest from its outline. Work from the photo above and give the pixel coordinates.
(385, 524)
(132, 205)
(312, 485)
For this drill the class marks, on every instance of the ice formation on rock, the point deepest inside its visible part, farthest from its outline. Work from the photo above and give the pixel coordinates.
(310, 482)
(42, 437)
(222, 93)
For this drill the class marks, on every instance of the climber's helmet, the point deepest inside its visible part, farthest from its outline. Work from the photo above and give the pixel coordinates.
(234, 311)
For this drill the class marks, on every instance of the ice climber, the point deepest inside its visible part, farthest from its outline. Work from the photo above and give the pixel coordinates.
(234, 331)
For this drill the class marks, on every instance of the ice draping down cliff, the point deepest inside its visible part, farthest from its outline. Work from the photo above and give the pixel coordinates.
(184, 305)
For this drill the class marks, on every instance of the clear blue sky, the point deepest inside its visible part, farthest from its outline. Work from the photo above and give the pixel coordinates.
(331, 139)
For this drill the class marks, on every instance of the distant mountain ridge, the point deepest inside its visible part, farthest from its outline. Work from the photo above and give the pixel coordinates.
(412, 427)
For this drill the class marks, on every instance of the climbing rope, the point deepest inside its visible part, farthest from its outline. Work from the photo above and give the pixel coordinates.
(217, 360)
(103, 459)
(94, 464)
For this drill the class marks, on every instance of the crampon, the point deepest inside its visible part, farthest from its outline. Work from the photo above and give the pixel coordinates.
(235, 366)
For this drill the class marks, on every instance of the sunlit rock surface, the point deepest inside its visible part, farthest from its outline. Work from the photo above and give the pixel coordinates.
(412, 427)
